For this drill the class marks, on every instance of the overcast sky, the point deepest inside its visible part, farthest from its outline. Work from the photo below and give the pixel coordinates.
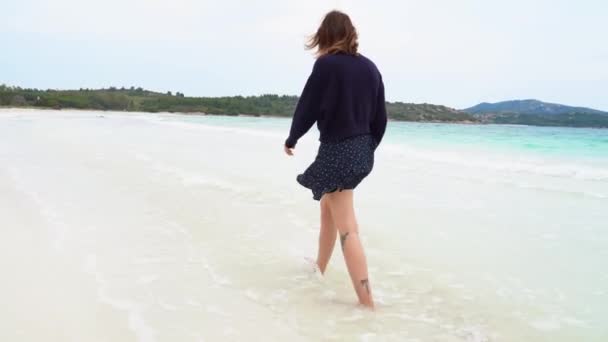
(456, 53)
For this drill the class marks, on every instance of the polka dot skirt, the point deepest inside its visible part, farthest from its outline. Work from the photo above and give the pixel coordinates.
(339, 165)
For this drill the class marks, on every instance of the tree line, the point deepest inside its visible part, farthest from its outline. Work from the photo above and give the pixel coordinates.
(137, 99)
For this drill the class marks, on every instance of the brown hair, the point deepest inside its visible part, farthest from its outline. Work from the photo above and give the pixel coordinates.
(336, 34)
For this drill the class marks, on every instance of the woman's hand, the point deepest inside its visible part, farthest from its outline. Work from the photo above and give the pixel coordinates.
(288, 151)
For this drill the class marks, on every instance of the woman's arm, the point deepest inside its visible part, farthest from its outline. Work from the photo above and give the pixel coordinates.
(308, 107)
(378, 126)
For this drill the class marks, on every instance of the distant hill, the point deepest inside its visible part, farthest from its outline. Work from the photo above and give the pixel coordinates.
(532, 107)
(538, 113)
(140, 100)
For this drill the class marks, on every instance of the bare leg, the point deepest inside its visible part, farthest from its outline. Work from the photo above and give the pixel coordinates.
(343, 214)
(327, 236)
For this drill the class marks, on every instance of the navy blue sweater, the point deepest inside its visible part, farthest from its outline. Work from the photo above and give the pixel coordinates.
(344, 95)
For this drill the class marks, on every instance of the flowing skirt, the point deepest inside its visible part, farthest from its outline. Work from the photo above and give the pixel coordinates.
(339, 165)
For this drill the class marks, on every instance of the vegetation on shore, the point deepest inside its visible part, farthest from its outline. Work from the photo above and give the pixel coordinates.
(141, 100)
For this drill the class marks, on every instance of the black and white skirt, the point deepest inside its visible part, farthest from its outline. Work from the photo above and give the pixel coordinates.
(339, 165)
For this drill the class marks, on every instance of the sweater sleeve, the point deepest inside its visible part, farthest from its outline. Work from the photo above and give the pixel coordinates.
(378, 125)
(308, 107)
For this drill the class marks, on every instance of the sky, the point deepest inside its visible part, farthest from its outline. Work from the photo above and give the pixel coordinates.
(454, 53)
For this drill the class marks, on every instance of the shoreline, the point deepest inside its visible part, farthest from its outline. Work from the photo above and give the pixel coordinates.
(227, 115)
(2, 108)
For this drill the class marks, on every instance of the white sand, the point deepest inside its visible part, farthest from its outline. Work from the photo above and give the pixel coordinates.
(130, 228)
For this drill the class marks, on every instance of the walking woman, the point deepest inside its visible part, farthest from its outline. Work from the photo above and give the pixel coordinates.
(344, 95)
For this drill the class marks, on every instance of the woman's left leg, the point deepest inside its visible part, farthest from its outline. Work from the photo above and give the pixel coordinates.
(327, 236)
(343, 214)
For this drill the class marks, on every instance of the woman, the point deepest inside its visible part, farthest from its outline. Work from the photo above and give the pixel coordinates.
(344, 95)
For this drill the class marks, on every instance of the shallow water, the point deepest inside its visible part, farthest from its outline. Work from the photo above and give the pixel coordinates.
(192, 228)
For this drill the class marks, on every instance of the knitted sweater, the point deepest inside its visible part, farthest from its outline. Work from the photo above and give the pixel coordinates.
(344, 95)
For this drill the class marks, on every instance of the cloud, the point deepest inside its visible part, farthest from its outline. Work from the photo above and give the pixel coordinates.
(124, 20)
(456, 49)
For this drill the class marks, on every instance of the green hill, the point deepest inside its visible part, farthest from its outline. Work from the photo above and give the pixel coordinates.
(538, 113)
(529, 107)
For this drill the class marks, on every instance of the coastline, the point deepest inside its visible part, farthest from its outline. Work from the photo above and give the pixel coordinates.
(79, 110)
(479, 123)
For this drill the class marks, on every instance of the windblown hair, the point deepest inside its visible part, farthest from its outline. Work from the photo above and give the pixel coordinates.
(336, 34)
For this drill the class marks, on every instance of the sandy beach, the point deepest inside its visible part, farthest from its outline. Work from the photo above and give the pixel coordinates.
(160, 227)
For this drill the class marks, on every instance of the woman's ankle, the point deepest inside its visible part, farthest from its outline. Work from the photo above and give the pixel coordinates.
(321, 267)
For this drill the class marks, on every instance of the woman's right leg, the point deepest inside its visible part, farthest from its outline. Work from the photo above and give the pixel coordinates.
(327, 236)
(343, 214)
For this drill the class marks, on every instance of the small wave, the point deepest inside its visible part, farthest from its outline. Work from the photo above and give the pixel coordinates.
(189, 178)
(59, 229)
(503, 163)
(209, 127)
(137, 324)
(546, 324)
(215, 277)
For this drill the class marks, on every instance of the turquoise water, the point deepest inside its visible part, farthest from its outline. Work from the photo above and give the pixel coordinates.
(550, 141)
(557, 141)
